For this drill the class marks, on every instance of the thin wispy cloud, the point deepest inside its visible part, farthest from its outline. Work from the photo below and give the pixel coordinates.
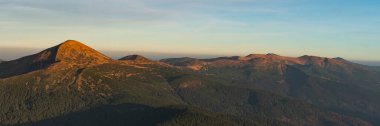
(115, 10)
(176, 25)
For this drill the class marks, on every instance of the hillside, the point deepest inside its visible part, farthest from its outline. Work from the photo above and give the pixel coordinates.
(331, 83)
(377, 68)
(115, 84)
(134, 114)
(73, 84)
(70, 53)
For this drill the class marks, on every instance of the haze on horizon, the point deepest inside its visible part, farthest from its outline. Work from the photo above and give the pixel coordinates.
(328, 28)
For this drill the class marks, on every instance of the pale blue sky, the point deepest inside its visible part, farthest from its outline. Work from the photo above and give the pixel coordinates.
(331, 28)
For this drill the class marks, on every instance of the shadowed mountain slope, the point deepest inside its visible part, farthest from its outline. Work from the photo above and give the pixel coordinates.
(67, 92)
(332, 83)
(141, 115)
(377, 68)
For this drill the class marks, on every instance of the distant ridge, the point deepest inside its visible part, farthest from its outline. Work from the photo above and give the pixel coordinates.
(76, 53)
(263, 60)
(135, 58)
(334, 67)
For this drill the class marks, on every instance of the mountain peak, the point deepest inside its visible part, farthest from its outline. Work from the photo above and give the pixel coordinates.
(71, 42)
(76, 52)
(339, 58)
(272, 54)
(70, 52)
(135, 58)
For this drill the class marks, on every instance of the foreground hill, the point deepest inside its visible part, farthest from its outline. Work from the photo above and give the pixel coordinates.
(332, 83)
(72, 84)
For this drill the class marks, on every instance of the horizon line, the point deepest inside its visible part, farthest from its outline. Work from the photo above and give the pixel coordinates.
(115, 54)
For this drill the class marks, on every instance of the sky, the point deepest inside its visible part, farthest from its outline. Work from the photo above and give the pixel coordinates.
(328, 28)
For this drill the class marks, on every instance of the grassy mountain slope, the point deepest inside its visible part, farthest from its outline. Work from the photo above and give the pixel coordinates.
(71, 53)
(208, 93)
(377, 68)
(150, 85)
(334, 84)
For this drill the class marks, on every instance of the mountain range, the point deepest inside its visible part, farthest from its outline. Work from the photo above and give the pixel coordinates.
(73, 84)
